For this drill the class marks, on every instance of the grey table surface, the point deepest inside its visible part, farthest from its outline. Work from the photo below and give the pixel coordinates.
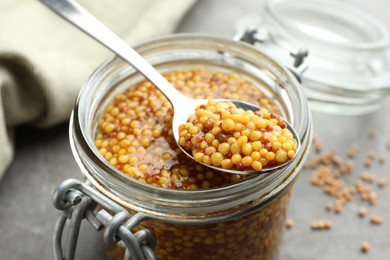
(43, 159)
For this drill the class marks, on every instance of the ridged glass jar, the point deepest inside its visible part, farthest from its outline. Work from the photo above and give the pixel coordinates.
(244, 220)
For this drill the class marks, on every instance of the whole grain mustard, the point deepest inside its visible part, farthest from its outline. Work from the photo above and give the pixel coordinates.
(222, 135)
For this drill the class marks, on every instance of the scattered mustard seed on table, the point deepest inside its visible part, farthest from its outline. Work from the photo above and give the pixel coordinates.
(290, 223)
(364, 247)
(376, 220)
(329, 172)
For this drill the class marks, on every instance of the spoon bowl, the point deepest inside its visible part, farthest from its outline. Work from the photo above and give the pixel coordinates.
(188, 108)
(183, 106)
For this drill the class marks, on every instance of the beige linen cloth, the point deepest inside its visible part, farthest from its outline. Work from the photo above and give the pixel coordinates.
(44, 60)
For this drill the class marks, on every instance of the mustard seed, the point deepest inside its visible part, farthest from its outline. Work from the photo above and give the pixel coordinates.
(364, 247)
(383, 181)
(368, 177)
(382, 158)
(376, 220)
(372, 134)
(329, 206)
(368, 162)
(353, 150)
(290, 223)
(362, 212)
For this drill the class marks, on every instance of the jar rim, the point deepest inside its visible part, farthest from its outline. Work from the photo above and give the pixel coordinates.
(102, 174)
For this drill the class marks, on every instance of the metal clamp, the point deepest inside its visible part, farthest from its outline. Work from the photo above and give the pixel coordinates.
(78, 201)
(257, 34)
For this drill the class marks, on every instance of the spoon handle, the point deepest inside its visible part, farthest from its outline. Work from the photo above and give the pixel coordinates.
(78, 16)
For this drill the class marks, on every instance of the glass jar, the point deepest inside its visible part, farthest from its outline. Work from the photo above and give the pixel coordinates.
(349, 63)
(244, 220)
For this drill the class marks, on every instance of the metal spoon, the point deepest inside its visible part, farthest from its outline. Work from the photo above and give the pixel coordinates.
(183, 106)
